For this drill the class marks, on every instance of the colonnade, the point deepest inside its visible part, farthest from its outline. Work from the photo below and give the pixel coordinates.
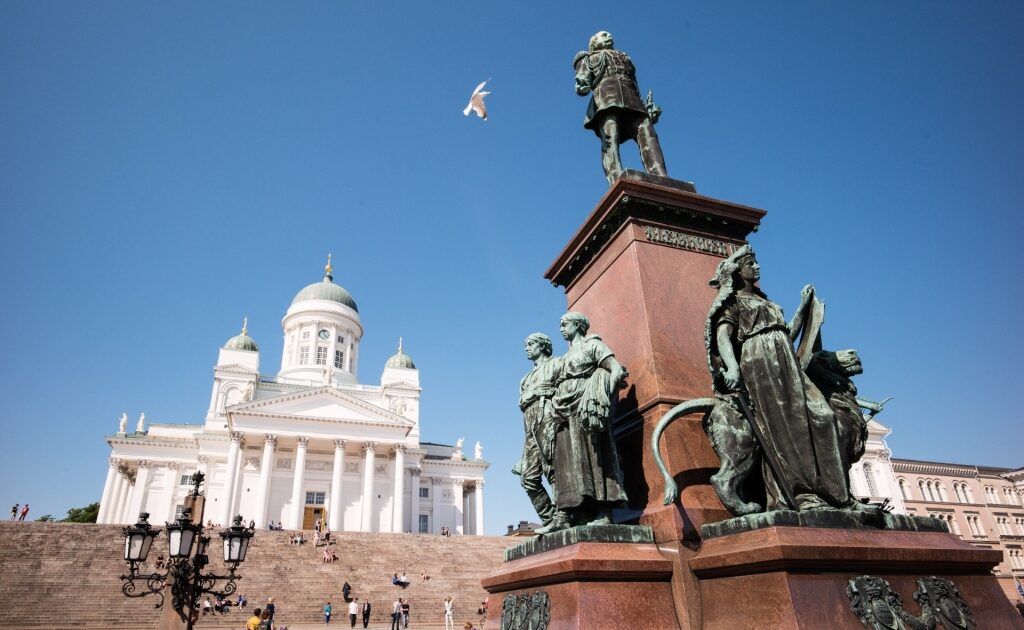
(124, 491)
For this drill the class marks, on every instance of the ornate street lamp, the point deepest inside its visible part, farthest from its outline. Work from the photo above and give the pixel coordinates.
(184, 574)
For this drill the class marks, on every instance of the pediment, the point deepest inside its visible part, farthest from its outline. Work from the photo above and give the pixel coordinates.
(321, 404)
(235, 367)
(404, 385)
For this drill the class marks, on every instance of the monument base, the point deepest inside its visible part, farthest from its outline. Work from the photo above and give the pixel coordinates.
(798, 577)
(568, 581)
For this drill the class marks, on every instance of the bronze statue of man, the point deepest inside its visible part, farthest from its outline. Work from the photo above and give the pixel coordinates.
(615, 112)
(535, 392)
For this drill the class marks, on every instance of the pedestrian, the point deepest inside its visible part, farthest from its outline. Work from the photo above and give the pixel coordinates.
(254, 622)
(270, 610)
(24, 512)
(396, 614)
(405, 613)
(449, 613)
(346, 592)
(14, 512)
(366, 613)
(353, 610)
(327, 613)
(266, 621)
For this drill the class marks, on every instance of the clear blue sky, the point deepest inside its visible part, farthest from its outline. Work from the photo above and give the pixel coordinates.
(168, 168)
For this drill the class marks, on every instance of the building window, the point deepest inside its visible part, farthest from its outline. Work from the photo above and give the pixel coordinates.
(315, 498)
(339, 359)
(904, 488)
(305, 334)
(424, 494)
(185, 480)
(303, 355)
(1020, 525)
(870, 478)
(972, 522)
(179, 511)
(321, 355)
(424, 525)
(341, 339)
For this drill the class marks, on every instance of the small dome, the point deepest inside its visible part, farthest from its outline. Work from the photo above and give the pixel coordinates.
(400, 359)
(242, 341)
(327, 290)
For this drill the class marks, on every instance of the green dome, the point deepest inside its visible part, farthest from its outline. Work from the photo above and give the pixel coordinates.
(242, 342)
(401, 360)
(326, 290)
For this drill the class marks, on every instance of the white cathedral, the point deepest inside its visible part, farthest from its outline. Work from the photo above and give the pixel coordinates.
(308, 443)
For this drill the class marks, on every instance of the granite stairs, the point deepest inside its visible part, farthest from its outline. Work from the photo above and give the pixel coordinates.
(60, 575)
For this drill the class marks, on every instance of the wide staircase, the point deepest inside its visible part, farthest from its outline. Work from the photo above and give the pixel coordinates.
(60, 575)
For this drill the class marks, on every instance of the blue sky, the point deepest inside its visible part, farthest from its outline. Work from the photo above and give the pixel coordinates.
(166, 169)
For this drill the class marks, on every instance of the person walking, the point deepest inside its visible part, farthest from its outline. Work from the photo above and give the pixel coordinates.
(254, 622)
(353, 610)
(405, 614)
(327, 613)
(396, 615)
(24, 512)
(269, 610)
(449, 613)
(14, 512)
(366, 613)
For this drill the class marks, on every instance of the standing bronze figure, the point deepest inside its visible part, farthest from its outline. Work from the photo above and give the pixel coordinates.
(615, 112)
(535, 393)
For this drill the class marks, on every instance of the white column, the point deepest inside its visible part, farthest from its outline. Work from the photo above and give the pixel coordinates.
(460, 515)
(266, 468)
(139, 494)
(398, 521)
(478, 507)
(368, 471)
(334, 518)
(414, 501)
(348, 351)
(435, 494)
(228, 494)
(117, 501)
(171, 484)
(129, 492)
(108, 489)
(298, 501)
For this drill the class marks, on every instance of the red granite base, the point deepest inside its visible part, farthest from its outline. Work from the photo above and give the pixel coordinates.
(592, 586)
(796, 577)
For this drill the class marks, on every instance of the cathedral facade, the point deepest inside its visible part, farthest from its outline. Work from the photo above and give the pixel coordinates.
(310, 442)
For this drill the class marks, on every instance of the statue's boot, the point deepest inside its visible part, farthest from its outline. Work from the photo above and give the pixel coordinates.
(602, 518)
(558, 522)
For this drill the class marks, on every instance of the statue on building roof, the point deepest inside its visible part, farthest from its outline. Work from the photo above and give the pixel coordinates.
(139, 426)
(478, 451)
(616, 112)
(122, 425)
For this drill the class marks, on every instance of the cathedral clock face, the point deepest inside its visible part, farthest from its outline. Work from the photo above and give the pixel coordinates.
(323, 334)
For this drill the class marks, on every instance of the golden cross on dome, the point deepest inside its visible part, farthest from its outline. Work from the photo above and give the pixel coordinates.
(328, 269)
(245, 326)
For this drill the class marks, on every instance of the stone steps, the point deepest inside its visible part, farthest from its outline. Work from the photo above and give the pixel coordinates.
(53, 572)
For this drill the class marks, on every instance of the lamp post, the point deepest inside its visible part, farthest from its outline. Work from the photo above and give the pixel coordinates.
(184, 573)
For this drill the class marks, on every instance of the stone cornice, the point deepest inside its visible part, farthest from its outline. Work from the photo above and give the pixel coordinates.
(934, 468)
(252, 407)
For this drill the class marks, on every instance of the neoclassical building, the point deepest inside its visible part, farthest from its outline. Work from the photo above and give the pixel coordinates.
(307, 443)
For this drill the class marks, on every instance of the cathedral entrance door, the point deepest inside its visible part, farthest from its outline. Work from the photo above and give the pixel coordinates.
(311, 514)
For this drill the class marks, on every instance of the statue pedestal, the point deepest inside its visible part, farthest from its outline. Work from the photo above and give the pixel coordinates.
(639, 268)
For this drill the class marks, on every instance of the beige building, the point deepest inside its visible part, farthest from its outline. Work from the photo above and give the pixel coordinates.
(983, 505)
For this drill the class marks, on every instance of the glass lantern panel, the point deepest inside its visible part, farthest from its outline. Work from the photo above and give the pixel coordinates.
(147, 542)
(187, 538)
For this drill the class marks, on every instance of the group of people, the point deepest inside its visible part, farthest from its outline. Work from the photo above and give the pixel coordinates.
(354, 609)
(400, 581)
(400, 614)
(445, 531)
(263, 618)
(222, 605)
(14, 512)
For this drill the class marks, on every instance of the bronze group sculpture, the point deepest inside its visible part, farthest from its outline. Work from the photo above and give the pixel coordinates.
(615, 112)
(567, 405)
(791, 415)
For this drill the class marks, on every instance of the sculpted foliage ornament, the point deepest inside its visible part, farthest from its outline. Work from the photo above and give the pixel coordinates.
(880, 608)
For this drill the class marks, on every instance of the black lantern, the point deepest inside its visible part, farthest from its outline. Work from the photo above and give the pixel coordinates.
(236, 541)
(181, 536)
(138, 539)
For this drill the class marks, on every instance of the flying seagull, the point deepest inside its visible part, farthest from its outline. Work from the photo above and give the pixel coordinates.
(476, 102)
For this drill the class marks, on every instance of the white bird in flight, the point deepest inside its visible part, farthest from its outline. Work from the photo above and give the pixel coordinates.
(476, 102)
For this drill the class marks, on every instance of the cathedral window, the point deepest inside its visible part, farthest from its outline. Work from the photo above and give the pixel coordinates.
(424, 494)
(179, 511)
(870, 478)
(424, 524)
(339, 359)
(305, 334)
(341, 339)
(303, 355)
(321, 355)
(315, 498)
(184, 481)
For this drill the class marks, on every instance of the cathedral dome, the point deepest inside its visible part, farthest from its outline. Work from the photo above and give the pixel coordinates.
(326, 290)
(400, 359)
(242, 341)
